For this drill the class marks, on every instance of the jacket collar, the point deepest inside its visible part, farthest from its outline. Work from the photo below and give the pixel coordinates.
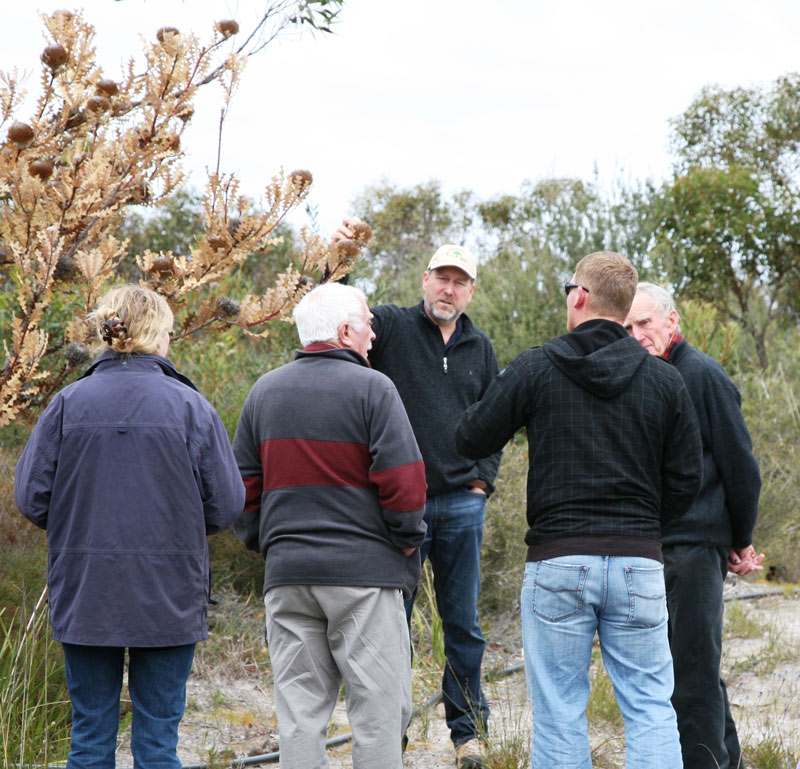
(324, 350)
(110, 358)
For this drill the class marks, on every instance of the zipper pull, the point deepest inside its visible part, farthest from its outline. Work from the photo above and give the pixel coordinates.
(444, 364)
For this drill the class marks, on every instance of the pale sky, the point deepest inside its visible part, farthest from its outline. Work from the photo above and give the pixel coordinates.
(476, 94)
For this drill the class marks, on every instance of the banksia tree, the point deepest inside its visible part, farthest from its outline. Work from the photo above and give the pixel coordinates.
(95, 146)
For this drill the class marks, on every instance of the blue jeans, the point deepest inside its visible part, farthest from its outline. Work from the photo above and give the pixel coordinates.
(157, 684)
(453, 544)
(564, 601)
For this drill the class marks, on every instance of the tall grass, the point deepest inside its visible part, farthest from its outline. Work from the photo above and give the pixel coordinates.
(34, 716)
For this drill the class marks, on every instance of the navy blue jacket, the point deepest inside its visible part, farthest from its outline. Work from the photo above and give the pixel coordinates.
(128, 470)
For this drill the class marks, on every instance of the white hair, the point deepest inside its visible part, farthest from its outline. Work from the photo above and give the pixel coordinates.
(663, 302)
(321, 312)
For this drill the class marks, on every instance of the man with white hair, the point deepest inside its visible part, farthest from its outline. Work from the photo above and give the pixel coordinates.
(715, 536)
(335, 498)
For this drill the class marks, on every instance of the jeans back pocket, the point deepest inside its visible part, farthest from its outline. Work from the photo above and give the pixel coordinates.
(558, 590)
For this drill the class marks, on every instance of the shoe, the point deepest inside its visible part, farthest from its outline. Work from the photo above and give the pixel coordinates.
(471, 755)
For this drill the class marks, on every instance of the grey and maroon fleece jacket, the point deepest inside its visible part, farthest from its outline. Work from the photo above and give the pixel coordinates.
(334, 479)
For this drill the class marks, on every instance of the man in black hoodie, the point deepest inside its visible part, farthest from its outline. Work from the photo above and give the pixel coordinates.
(614, 452)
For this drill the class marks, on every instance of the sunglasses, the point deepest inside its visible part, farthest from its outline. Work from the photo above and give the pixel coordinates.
(569, 286)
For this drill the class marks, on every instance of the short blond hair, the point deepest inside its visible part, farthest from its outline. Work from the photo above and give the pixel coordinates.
(611, 280)
(144, 314)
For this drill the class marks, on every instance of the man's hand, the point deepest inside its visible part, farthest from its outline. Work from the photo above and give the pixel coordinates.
(743, 560)
(345, 231)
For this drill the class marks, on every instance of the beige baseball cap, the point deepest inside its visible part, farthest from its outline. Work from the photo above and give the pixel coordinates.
(455, 256)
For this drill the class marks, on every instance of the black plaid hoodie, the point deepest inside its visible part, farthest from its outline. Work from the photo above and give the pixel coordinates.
(614, 443)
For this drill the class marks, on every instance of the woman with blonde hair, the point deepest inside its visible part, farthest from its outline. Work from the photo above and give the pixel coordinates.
(128, 469)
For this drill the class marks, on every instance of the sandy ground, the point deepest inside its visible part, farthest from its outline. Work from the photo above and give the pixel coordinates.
(228, 719)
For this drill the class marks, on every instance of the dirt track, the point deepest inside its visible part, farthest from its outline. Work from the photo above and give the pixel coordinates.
(234, 719)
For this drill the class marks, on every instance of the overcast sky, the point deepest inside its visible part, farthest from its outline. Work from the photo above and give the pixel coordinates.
(476, 94)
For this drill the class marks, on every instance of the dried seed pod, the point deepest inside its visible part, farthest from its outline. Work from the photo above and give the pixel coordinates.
(42, 168)
(139, 194)
(20, 133)
(227, 307)
(228, 27)
(163, 266)
(98, 104)
(301, 179)
(345, 250)
(54, 56)
(107, 87)
(362, 233)
(218, 243)
(186, 113)
(77, 354)
(167, 33)
(65, 268)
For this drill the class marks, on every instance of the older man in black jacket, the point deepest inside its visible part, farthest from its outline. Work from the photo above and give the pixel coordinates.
(713, 537)
(614, 452)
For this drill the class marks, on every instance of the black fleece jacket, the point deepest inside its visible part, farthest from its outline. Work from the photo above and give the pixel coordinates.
(436, 386)
(724, 513)
(614, 445)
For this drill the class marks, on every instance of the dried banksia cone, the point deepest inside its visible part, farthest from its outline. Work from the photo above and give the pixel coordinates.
(77, 354)
(107, 87)
(362, 233)
(228, 27)
(98, 104)
(168, 35)
(186, 113)
(227, 307)
(217, 243)
(65, 268)
(345, 250)
(162, 266)
(139, 194)
(42, 168)
(20, 133)
(54, 56)
(301, 179)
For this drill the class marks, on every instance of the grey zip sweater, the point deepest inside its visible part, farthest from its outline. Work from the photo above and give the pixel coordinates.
(436, 386)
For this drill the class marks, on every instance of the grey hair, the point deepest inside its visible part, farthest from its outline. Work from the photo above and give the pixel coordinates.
(321, 312)
(662, 299)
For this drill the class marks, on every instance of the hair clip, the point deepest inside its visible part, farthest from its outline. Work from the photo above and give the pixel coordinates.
(113, 328)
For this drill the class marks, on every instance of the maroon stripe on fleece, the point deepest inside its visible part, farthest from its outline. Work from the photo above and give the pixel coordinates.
(401, 489)
(303, 462)
(252, 493)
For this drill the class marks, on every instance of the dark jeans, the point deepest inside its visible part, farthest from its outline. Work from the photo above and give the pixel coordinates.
(157, 684)
(694, 575)
(453, 544)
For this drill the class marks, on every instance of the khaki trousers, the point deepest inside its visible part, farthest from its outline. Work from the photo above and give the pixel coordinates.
(320, 636)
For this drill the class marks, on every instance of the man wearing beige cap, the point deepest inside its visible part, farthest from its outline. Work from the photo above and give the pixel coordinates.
(441, 364)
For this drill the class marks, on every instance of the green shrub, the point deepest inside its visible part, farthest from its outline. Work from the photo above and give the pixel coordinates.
(504, 548)
(772, 412)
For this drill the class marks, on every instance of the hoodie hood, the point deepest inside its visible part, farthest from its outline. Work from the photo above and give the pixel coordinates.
(604, 372)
